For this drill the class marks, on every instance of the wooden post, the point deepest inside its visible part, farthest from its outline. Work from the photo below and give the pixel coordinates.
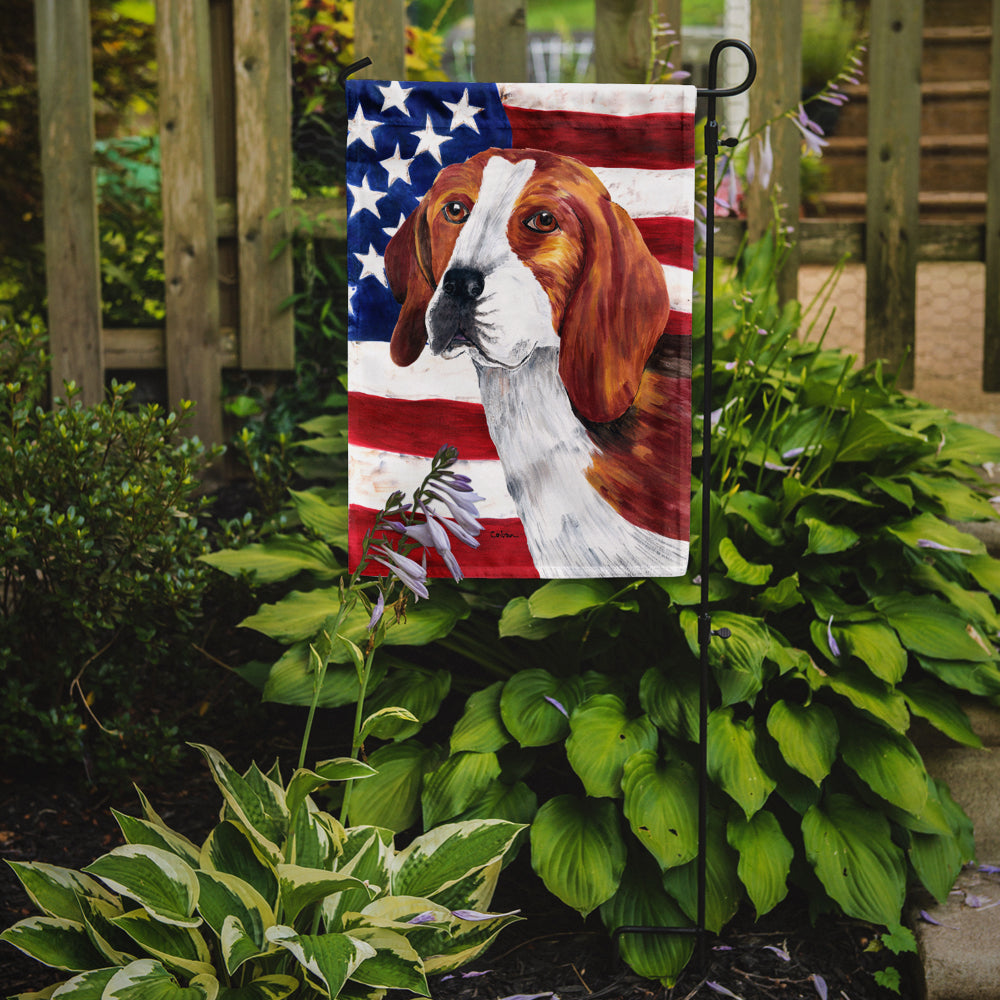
(501, 41)
(72, 255)
(893, 184)
(380, 34)
(262, 60)
(776, 35)
(622, 40)
(190, 254)
(991, 333)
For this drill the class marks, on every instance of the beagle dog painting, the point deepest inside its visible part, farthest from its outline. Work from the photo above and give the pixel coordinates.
(519, 259)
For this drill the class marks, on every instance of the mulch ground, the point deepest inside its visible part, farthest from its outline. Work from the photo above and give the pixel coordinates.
(550, 953)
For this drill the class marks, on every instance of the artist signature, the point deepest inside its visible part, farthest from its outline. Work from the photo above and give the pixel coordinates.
(502, 534)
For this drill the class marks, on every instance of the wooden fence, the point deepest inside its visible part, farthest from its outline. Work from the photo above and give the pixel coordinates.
(226, 160)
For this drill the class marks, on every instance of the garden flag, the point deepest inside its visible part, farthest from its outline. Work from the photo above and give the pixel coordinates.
(520, 281)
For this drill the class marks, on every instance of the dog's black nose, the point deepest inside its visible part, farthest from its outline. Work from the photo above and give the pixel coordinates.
(463, 283)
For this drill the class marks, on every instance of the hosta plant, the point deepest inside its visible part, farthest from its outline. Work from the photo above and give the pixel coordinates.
(279, 900)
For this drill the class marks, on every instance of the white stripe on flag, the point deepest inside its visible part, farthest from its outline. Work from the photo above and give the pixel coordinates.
(647, 194)
(371, 371)
(601, 99)
(678, 288)
(374, 475)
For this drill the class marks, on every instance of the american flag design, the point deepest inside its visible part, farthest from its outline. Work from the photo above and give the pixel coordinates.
(639, 141)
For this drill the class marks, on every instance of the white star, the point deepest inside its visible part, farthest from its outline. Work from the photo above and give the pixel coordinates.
(351, 289)
(430, 141)
(397, 168)
(391, 231)
(395, 97)
(463, 113)
(365, 197)
(360, 128)
(372, 265)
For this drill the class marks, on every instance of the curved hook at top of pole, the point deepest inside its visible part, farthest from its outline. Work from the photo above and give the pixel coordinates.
(713, 69)
(353, 68)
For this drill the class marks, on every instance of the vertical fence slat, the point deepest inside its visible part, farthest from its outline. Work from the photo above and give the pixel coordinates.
(621, 40)
(72, 256)
(991, 333)
(190, 253)
(893, 183)
(261, 56)
(776, 34)
(380, 34)
(501, 40)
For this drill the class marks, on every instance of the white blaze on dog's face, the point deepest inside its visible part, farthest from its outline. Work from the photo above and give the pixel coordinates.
(488, 301)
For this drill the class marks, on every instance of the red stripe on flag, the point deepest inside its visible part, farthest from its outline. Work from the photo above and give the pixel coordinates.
(419, 426)
(503, 550)
(647, 142)
(678, 324)
(670, 239)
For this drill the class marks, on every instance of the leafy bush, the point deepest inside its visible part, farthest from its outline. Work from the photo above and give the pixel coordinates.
(279, 899)
(855, 603)
(99, 539)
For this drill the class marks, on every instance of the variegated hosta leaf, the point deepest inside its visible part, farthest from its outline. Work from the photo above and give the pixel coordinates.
(86, 986)
(732, 760)
(158, 880)
(56, 891)
(765, 858)
(147, 979)
(141, 831)
(602, 737)
(395, 964)
(329, 959)
(256, 801)
(475, 891)
(177, 947)
(661, 799)
(807, 736)
(230, 849)
(456, 784)
(54, 941)
(578, 851)
(642, 902)
(274, 987)
(367, 853)
(300, 887)
(468, 939)
(441, 857)
(304, 782)
(481, 727)
(116, 946)
(225, 897)
(315, 838)
(851, 849)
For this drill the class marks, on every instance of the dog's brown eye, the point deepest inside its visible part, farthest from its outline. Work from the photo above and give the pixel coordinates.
(455, 211)
(542, 222)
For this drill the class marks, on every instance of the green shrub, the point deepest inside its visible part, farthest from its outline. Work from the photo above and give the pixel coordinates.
(99, 541)
(279, 900)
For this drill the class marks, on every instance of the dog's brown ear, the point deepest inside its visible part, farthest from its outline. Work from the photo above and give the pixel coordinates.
(407, 268)
(616, 315)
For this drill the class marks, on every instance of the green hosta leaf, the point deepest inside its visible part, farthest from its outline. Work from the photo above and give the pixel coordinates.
(141, 831)
(391, 798)
(578, 851)
(279, 558)
(723, 889)
(417, 690)
(758, 511)
(941, 709)
(671, 700)
(739, 569)
(602, 738)
(931, 628)
(225, 897)
(325, 519)
(159, 881)
(292, 680)
(684, 592)
(937, 860)
(738, 661)
(456, 784)
(517, 620)
(275, 987)
(865, 692)
(893, 488)
(438, 859)
(147, 979)
(641, 901)
(965, 443)
(559, 598)
(230, 849)
(330, 959)
(732, 760)
(481, 728)
(395, 964)
(888, 763)
(807, 736)
(986, 572)
(661, 798)
(870, 435)
(54, 941)
(530, 706)
(783, 595)
(180, 948)
(828, 539)
(765, 858)
(850, 848)
(928, 528)
(301, 887)
(976, 678)
(976, 605)
(957, 501)
(56, 891)
(260, 809)
(876, 646)
(516, 803)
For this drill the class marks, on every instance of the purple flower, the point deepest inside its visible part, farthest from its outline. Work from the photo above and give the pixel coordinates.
(558, 705)
(410, 573)
(719, 988)
(811, 132)
(377, 611)
(834, 648)
(427, 917)
(761, 164)
(462, 506)
(475, 915)
(780, 952)
(820, 983)
(927, 543)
